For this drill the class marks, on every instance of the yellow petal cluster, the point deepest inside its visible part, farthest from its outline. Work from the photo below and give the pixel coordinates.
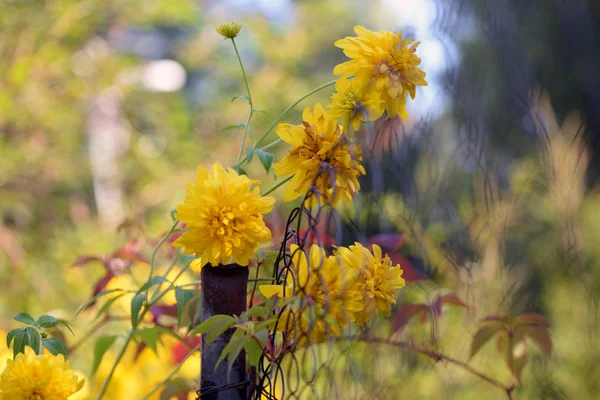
(378, 280)
(384, 63)
(223, 213)
(324, 287)
(353, 103)
(322, 157)
(229, 30)
(38, 377)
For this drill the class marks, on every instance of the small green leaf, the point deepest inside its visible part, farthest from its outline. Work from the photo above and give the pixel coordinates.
(150, 336)
(185, 259)
(213, 327)
(235, 126)
(46, 321)
(266, 159)
(239, 170)
(253, 352)
(21, 340)
(33, 339)
(106, 306)
(241, 96)
(250, 153)
(189, 314)
(96, 297)
(11, 335)
(66, 325)
(182, 296)
(176, 387)
(24, 318)
(260, 110)
(102, 345)
(155, 280)
(233, 347)
(256, 311)
(55, 346)
(136, 305)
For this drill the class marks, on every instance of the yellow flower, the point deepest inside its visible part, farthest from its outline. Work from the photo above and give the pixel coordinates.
(386, 63)
(321, 157)
(324, 287)
(354, 103)
(229, 30)
(223, 212)
(38, 377)
(378, 280)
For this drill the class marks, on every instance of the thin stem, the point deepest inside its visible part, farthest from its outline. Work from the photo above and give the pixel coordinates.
(131, 334)
(247, 126)
(262, 280)
(282, 182)
(436, 356)
(92, 330)
(158, 245)
(284, 113)
(170, 376)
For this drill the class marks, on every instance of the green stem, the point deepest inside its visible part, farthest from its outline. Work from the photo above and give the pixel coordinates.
(247, 127)
(159, 244)
(282, 182)
(131, 334)
(170, 376)
(284, 113)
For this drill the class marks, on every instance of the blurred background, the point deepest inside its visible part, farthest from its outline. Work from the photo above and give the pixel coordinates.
(107, 108)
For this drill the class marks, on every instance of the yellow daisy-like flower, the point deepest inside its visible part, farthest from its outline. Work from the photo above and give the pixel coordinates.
(223, 212)
(229, 30)
(385, 62)
(325, 288)
(378, 280)
(321, 157)
(354, 103)
(38, 377)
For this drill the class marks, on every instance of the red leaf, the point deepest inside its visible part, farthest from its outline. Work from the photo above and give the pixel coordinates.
(159, 310)
(539, 335)
(387, 241)
(81, 261)
(100, 285)
(179, 350)
(410, 273)
(531, 319)
(503, 319)
(405, 313)
(483, 335)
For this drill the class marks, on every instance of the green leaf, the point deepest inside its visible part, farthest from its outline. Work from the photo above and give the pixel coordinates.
(256, 311)
(55, 346)
(483, 335)
(24, 318)
(65, 324)
(266, 159)
(253, 352)
(235, 126)
(11, 335)
(96, 297)
(182, 296)
(155, 280)
(150, 336)
(250, 153)
(239, 170)
(176, 387)
(102, 345)
(46, 321)
(33, 339)
(136, 305)
(233, 347)
(191, 310)
(185, 259)
(241, 96)
(213, 327)
(106, 306)
(260, 110)
(21, 340)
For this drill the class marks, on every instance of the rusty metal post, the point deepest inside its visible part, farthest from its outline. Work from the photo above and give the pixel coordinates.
(223, 292)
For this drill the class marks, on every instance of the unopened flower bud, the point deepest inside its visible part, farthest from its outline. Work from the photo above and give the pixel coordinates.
(229, 30)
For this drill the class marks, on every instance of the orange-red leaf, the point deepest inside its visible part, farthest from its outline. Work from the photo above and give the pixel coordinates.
(539, 335)
(406, 312)
(483, 335)
(531, 319)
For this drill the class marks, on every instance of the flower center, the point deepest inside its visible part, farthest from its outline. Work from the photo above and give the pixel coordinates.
(36, 396)
(224, 222)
